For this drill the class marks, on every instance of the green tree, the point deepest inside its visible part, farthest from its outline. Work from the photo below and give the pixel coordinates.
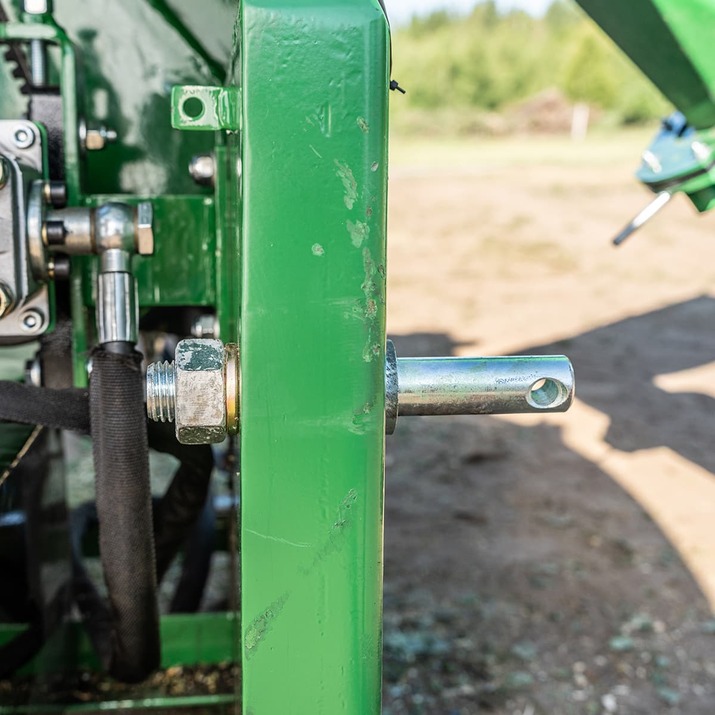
(588, 75)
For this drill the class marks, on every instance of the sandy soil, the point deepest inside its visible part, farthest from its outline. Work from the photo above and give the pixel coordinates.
(552, 564)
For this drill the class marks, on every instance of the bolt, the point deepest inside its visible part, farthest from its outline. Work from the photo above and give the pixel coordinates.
(24, 137)
(161, 391)
(701, 152)
(38, 62)
(203, 169)
(32, 321)
(33, 372)
(6, 300)
(59, 268)
(55, 194)
(205, 326)
(54, 233)
(198, 391)
(652, 161)
(145, 232)
(36, 7)
(97, 139)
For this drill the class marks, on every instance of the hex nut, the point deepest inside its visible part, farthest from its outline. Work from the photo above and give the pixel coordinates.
(6, 300)
(144, 231)
(200, 392)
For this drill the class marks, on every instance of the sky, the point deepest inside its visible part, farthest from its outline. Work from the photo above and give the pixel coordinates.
(400, 11)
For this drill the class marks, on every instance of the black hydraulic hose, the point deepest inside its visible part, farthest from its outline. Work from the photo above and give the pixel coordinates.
(198, 551)
(126, 538)
(128, 626)
(63, 409)
(182, 504)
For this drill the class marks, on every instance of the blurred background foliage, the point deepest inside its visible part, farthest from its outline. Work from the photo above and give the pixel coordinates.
(495, 72)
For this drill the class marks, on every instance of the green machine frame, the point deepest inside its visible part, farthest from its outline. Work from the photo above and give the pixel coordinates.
(312, 322)
(287, 249)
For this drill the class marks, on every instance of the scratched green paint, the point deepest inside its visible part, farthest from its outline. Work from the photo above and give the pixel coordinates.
(671, 41)
(314, 118)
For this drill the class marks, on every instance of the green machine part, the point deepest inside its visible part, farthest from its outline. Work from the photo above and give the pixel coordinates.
(314, 163)
(288, 250)
(671, 42)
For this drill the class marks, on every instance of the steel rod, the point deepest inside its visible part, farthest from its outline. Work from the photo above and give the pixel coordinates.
(484, 385)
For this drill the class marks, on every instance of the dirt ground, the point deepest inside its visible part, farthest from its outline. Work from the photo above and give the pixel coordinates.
(552, 564)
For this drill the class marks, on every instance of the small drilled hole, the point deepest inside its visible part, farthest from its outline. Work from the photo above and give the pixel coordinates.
(193, 107)
(545, 393)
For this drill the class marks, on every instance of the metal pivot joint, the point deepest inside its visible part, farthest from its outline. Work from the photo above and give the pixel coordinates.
(115, 232)
(200, 391)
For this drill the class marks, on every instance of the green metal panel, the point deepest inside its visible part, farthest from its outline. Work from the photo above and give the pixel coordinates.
(314, 92)
(200, 638)
(671, 41)
(183, 269)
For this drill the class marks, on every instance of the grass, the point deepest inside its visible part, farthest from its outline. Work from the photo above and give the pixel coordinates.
(600, 148)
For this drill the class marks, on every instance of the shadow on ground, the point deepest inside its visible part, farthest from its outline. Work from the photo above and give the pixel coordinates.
(519, 578)
(615, 367)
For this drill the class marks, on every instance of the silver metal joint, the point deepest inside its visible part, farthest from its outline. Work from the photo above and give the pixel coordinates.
(117, 308)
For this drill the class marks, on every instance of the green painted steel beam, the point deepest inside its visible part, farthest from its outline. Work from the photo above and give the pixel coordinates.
(314, 117)
(671, 42)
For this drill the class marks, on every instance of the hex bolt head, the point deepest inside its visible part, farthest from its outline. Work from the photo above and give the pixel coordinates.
(32, 321)
(7, 299)
(200, 412)
(24, 137)
(203, 169)
(205, 326)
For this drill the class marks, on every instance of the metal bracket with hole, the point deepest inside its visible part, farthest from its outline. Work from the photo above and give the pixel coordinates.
(196, 108)
(24, 301)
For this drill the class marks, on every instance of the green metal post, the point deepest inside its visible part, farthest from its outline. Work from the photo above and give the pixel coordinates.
(314, 112)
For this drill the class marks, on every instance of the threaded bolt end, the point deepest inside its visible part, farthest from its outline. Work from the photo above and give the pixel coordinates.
(161, 391)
